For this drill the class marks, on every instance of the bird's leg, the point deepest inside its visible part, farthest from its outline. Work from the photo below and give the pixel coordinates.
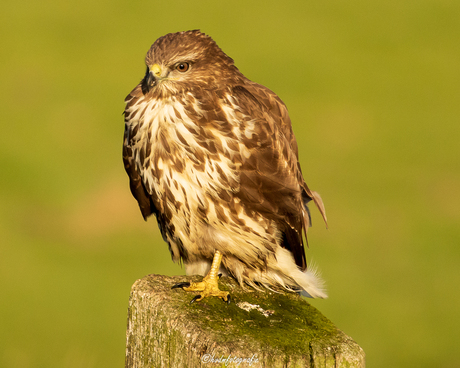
(209, 286)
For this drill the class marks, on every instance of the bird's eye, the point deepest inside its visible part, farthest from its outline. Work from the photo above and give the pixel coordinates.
(182, 67)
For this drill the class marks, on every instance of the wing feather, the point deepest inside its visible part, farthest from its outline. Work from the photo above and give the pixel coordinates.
(138, 189)
(135, 181)
(271, 181)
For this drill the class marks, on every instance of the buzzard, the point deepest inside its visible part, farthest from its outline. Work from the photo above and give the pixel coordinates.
(213, 156)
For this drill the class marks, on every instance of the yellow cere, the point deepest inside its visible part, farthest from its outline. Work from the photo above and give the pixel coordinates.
(156, 69)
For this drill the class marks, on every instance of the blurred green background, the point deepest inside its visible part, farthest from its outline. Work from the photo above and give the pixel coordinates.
(373, 89)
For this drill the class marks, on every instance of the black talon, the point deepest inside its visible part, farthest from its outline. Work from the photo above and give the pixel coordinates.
(181, 285)
(195, 299)
(228, 299)
(219, 275)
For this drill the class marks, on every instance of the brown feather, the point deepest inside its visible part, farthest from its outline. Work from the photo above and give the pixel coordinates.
(214, 157)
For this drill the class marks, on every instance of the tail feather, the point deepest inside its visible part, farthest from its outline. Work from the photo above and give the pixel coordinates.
(286, 274)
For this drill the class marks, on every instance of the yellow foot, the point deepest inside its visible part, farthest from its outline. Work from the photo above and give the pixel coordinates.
(208, 287)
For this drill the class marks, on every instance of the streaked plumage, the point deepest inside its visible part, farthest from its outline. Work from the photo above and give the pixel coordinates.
(212, 155)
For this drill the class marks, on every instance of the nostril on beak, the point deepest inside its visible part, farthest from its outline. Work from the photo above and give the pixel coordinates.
(156, 70)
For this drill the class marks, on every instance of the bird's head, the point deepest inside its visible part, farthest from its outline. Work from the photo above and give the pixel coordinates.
(182, 61)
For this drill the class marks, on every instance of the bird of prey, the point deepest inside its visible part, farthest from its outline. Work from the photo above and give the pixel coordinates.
(213, 156)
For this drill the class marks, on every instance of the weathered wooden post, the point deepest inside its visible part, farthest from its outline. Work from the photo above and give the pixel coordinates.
(258, 329)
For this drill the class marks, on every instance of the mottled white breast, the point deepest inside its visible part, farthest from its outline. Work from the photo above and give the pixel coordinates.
(178, 165)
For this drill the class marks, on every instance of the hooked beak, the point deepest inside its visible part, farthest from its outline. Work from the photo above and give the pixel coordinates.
(151, 79)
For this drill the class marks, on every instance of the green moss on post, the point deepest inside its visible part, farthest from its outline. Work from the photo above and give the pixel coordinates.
(258, 329)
